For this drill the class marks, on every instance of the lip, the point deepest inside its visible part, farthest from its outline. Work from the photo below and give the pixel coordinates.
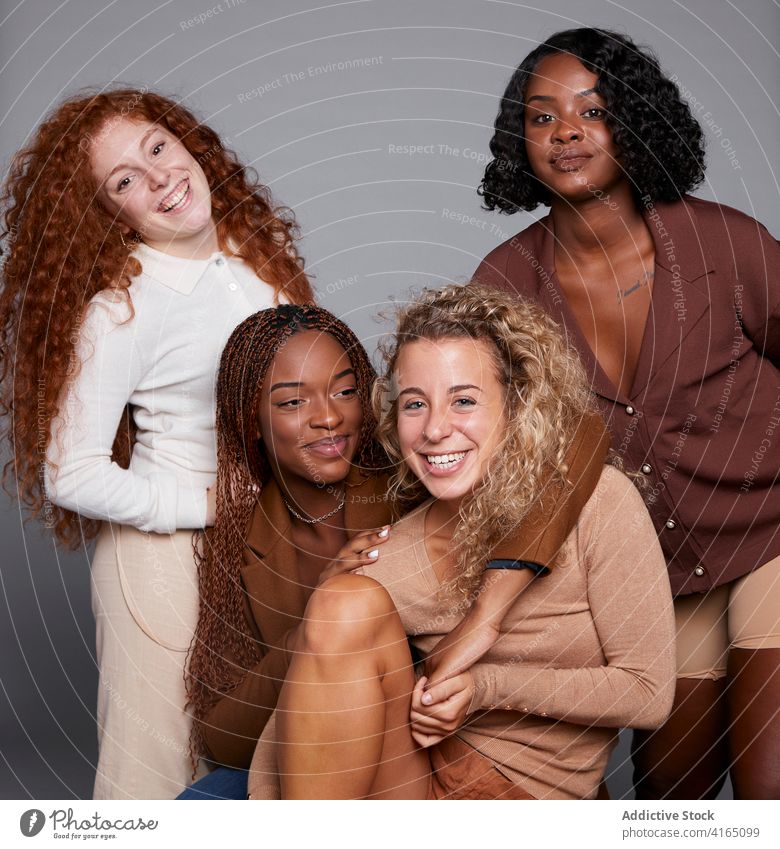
(437, 471)
(183, 204)
(571, 159)
(329, 446)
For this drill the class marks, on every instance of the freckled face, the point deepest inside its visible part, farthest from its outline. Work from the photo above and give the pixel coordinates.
(149, 180)
(569, 145)
(451, 416)
(310, 413)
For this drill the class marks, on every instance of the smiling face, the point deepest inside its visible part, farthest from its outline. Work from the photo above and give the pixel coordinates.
(569, 145)
(451, 416)
(149, 180)
(310, 413)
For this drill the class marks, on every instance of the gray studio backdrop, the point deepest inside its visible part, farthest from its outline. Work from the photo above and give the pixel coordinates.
(371, 119)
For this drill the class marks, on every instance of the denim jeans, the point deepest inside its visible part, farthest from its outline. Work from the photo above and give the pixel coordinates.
(221, 783)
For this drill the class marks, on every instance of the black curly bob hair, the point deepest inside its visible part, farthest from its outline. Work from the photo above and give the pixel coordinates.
(661, 143)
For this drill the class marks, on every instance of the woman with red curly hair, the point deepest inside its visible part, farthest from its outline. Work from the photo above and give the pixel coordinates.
(136, 244)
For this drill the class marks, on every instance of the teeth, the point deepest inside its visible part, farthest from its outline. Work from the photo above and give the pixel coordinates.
(445, 459)
(177, 198)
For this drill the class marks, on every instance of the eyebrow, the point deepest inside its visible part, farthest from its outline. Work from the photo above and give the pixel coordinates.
(546, 97)
(144, 139)
(415, 390)
(291, 385)
(297, 383)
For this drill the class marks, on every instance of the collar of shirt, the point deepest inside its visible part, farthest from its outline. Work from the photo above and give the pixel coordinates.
(181, 275)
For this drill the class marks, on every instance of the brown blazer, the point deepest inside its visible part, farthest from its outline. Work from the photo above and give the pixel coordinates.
(702, 419)
(275, 600)
(275, 597)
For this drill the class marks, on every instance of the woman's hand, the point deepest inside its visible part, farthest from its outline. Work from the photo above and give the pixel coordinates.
(441, 710)
(361, 550)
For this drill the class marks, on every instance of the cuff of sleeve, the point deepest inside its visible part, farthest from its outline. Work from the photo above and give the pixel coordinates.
(536, 568)
(191, 508)
(513, 686)
(159, 491)
(484, 697)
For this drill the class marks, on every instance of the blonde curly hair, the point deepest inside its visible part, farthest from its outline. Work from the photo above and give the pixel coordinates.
(547, 396)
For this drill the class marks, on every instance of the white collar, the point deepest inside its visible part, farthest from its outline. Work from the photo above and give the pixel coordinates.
(181, 275)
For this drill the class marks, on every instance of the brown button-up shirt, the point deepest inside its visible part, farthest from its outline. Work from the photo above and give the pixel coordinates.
(274, 601)
(701, 422)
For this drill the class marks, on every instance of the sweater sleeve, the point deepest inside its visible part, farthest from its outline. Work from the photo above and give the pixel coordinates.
(79, 474)
(631, 606)
(233, 726)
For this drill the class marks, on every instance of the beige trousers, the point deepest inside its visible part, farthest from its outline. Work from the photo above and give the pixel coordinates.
(145, 601)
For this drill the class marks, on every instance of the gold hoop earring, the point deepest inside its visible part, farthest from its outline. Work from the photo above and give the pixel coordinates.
(133, 242)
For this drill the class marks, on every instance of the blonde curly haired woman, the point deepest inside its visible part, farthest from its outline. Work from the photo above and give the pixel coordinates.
(480, 400)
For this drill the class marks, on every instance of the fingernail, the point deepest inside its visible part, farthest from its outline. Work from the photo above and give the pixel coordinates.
(427, 698)
(384, 532)
(374, 553)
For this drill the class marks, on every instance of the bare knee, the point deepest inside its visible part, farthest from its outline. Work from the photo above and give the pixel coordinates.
(345, 614)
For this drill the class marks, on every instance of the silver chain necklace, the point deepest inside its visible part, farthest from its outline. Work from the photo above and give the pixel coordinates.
(319, 518)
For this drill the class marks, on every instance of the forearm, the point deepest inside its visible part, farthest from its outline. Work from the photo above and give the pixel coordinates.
(234, 724)
(78, 473)
(498, 590)
(479, 629)
(89, 483)
(557, 509)
(604, 696)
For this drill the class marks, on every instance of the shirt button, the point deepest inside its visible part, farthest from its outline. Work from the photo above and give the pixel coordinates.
(646, 468)
(630, 410)
(232, 287)
(220, 261)
(698, 571)
(671, 524)
(525, 710)
(543, 713)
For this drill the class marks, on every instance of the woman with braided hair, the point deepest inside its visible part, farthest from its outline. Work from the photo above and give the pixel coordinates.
(136, 243)
(298, 472)
(302, 497)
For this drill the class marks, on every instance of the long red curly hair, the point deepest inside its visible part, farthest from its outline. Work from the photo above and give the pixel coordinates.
(62, 248)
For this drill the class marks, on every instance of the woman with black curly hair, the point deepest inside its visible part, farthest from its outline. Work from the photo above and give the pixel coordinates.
(670, 304)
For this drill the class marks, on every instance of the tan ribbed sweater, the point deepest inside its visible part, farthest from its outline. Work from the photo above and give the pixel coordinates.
(585, 650)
